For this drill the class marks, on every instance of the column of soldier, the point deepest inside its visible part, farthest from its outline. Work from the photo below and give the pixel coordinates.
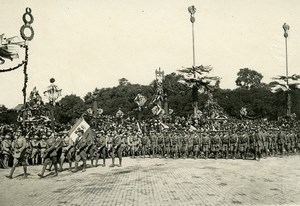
(111, 139)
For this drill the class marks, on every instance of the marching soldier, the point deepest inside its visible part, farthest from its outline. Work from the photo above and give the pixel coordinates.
(50, 155)
(281, 142)
(265, 138)
(174, 147)
(116, 150)
(205, 145)
(35, 149)
(43, 146)
(225, 145)
(19, 153)
(144, 140)
(67, 150)
(196, 138)
(80, 146)
(258, 144)
(91, 147)
(191, 144)
(154, 143)
(167, 146)
(243, 144)
(184, 144)
(6, 147)
(161, 143)
(215, 144)
(101, 148)
(233, 143)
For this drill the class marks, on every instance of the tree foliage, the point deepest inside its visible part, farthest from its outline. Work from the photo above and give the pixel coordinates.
(248, 79)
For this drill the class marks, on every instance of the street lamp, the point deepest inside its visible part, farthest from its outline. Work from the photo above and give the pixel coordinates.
(52, 93)
(289, 104)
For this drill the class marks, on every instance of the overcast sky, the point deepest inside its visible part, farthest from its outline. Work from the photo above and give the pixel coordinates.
(86, 44)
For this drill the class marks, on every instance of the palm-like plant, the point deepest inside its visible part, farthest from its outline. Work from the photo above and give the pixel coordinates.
(196, 78)
(282, 83)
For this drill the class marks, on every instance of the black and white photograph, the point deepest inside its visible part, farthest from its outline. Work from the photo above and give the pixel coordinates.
(137, 102)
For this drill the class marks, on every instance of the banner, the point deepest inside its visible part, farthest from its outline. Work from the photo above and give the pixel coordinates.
(81, 124)
(156, 110)
(140, 100)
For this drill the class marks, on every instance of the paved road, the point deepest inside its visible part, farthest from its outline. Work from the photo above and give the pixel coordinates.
(272, 181)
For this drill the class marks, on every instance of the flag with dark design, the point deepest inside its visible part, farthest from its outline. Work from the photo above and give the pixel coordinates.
(81, 124)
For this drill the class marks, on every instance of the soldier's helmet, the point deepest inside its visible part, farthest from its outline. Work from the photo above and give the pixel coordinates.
(7, 136)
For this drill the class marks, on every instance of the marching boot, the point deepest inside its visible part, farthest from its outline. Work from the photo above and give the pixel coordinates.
(103, 162)
(92, 163)
(11, 172)
(84, 166)
(25, 171)
(61, 166)
(120, 162)
(5, 162)
(96, 164)
(41, 175)
(113, 163)
(76, 167)
(56, 170)
(70, 166)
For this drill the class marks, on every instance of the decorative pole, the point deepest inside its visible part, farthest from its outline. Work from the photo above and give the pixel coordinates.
(160, 95)
(192, 11)
(5, 52)
(289, 104)
(52, 93)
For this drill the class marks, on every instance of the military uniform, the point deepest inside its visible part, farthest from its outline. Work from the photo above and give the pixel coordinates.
(50, 155)
(144, 141)
(196, 138)
(19, 154)
(167, 145)
(116, 150)
(153, 142)
(101, 144)
(67, 151)
(233, 143)
(281, 142)
(215, 145)
(205, 145)
(80, 146)
(161, 144)
(265, 138)
(243, 145)
(225, 145)
(174, 145)
(184, 145)
(258, 144)
(6, 147)
(35, 150)
(43, 146)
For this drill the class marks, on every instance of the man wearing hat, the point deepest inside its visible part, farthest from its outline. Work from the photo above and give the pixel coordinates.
(35, 149)
(43, 146)
(67, 150)
(101, 145)
(205, 144)
(19, 150)
(116, 150)
(6, 150)
(233, 143)
(80, 153)
(50, 155)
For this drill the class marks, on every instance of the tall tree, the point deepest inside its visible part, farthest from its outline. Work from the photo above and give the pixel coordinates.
(70, 108)
(248, 79)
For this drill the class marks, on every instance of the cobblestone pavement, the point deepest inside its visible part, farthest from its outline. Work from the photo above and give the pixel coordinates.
(272, 181)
